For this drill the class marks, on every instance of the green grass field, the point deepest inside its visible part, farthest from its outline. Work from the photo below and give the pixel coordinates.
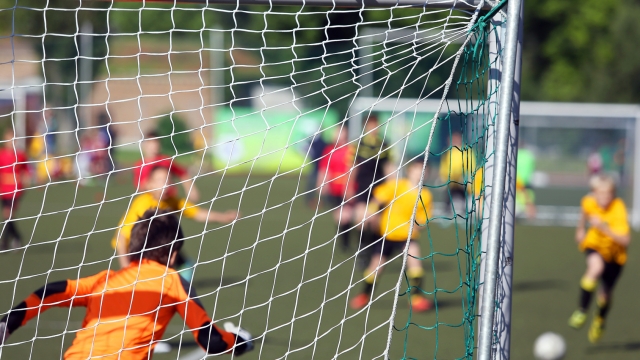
(290, 290)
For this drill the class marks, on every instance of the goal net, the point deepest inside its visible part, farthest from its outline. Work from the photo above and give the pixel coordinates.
(328, 213)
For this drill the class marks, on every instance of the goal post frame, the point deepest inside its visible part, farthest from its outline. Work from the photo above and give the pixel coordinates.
(429, 4)
(496, 271)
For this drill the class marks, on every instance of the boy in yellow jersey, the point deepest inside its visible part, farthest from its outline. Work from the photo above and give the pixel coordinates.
(398, 196)
(456, 166)
(605, 244)
(157, 189)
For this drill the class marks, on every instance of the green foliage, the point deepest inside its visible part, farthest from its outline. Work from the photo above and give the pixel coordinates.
(174, 132)
(49, 26)
(581, 50)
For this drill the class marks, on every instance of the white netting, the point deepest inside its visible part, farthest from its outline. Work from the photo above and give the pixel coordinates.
(249, 105)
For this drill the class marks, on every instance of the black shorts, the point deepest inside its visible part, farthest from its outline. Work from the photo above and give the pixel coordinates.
(388, 248)
(10, 201)
(611, 273)
(333, 201)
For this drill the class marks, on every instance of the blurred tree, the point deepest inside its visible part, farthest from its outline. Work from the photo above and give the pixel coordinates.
(52, 27)
(174, 134)
(581, 50)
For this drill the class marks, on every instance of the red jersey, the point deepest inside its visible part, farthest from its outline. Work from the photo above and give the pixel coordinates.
(13, 165)
(336, 163)
(142, 170)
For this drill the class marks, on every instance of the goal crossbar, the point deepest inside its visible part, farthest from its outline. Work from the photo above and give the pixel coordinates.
(431, 4)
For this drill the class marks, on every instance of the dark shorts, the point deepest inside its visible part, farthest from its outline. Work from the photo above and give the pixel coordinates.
(10, 201)
(333, 201)
(388, 248)
(611, 273)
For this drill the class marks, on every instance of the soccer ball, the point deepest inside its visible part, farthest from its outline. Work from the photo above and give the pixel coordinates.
(549, 346)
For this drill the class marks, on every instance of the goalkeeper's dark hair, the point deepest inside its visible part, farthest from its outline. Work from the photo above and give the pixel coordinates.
(155, 236)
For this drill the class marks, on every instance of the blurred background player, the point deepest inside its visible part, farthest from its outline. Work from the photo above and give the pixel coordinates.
(525, 196)
(371, 159)
(13, 173)
(398, 196)
(129, 310)
(109, 137)
(334, 185)
(151, 156)
(605, 244)
(316, 149)
(156, 195)
(455, 164)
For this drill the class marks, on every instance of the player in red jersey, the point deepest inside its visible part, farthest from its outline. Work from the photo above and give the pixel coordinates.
(334, 172)
(13, 173)
(151, 158)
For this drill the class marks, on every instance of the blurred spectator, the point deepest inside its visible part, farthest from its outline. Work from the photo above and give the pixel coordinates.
(49, 129)
(316, 147)
(93, 155)
(108, 136)
(594, 163)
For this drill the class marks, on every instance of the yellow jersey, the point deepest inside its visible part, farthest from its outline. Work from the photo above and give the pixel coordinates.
(400, 196)
(144, 202)
(615, 216)
(456, 163)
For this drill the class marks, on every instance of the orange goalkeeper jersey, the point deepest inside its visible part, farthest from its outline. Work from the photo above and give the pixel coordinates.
(127, 312)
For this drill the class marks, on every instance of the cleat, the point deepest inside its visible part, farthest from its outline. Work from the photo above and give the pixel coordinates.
(420, 304)
(596, 330)
(577, 319)
(360, 301)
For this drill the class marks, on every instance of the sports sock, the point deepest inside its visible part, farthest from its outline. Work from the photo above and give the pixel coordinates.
(344, 235)
(369, 280)
(415, 276)
(12, 231)
(603, 308)
(587, 287)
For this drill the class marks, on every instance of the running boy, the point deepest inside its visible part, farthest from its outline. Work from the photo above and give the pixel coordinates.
(333, 182)
(158, 195)
(151, 157)
(398, 196)
(128, 310)
(13, 172)
(605, 244)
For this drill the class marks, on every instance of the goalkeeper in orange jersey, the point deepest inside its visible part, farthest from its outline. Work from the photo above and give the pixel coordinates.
(605, 244)
(129, 310)
(159, 195)
(398, 197)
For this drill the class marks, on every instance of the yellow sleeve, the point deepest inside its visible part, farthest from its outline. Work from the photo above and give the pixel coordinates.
(427, 202)
(589, 205)
(385, 192)
(139, 205)
(477, 183)
(189, 210)
(445, 165)
(619, 223)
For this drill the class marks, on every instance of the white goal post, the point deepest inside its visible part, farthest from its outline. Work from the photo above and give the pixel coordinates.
(242, 107)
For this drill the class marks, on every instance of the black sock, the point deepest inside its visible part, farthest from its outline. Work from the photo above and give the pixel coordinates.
(415, 280)
(344, 235)
(12, 231)
(603, 309)
(368, 288)
(587, 287)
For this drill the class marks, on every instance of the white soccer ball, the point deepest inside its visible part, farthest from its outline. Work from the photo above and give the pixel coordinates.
(549, 346)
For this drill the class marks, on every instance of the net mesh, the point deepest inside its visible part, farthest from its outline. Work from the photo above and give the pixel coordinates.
(291, 135)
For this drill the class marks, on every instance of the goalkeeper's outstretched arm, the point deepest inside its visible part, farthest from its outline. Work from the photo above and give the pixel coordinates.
(64, 293)
(209, 336)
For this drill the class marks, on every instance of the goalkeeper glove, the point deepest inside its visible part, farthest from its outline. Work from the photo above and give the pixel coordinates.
(4, 332)
(243, 338)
